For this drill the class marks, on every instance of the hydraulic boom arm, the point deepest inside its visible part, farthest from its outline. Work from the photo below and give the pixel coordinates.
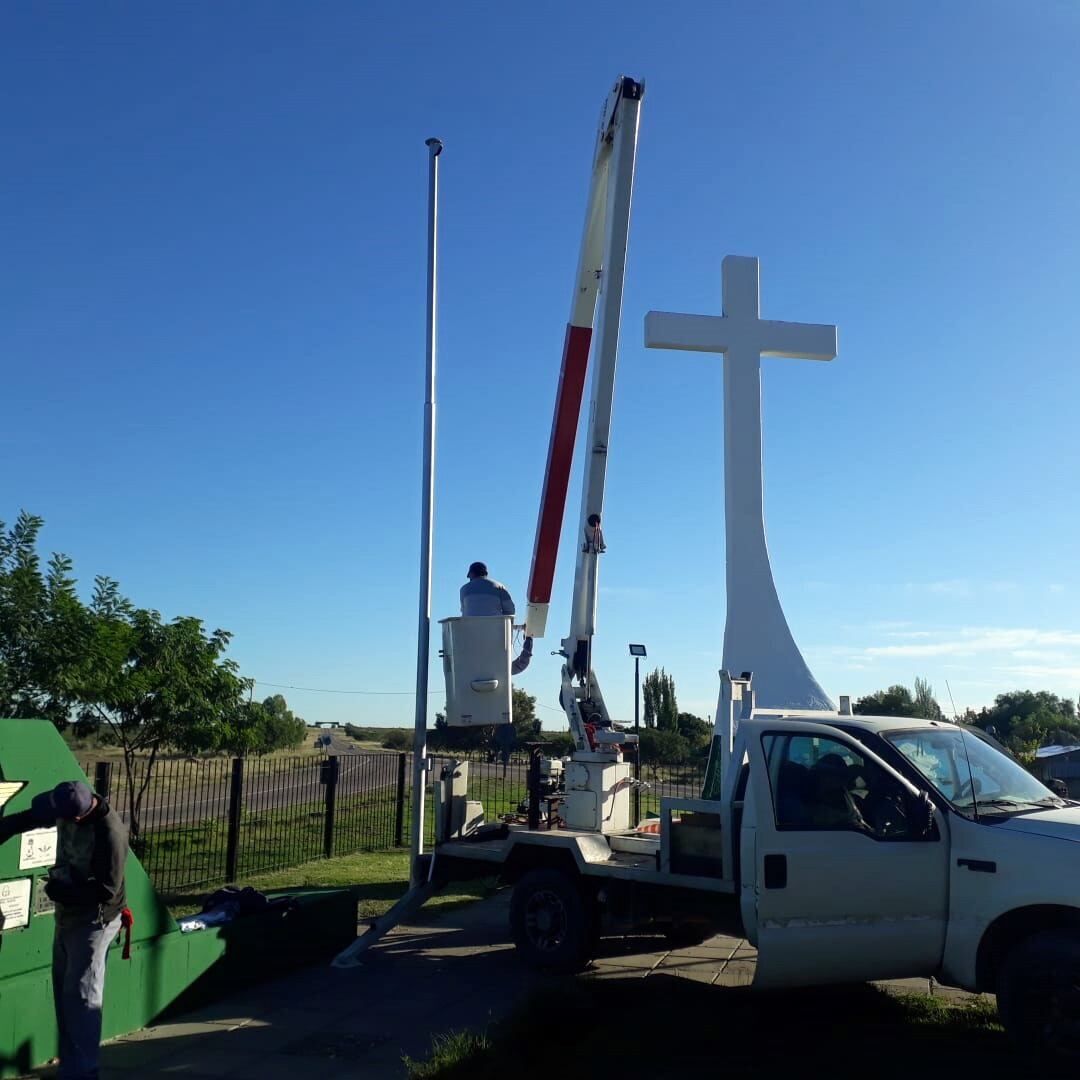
(600, 273)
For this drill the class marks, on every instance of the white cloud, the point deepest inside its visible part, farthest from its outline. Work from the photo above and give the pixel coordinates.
(959, 587)
(974, 641)
(1035, 671)
(953, 587)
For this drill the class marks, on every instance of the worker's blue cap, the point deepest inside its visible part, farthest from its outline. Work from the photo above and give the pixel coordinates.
(68, 800)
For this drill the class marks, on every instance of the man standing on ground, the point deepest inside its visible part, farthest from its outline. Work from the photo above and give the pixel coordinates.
(482, 596)
(87, 886)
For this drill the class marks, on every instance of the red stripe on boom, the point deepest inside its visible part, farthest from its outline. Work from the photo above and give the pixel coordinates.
(575, 363)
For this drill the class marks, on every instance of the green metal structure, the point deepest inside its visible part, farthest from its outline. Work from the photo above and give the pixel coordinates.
(165, 965)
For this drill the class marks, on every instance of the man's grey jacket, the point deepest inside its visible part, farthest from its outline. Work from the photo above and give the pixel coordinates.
(482, 596)
(87, 882)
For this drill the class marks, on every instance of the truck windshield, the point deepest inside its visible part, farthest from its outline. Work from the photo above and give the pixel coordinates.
(992, 784)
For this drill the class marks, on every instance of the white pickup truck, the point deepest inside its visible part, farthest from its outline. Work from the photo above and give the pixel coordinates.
(845, 848)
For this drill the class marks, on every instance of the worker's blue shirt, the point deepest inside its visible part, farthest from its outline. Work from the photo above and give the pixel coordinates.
(482, 596)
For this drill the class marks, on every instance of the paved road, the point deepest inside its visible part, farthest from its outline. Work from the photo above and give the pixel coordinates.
(267, 786)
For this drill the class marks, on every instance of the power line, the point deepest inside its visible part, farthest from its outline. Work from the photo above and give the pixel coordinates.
(323, 690)
(367, 693)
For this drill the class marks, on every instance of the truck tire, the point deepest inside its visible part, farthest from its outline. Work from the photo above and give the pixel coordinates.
(553, 923)
(1038, 996)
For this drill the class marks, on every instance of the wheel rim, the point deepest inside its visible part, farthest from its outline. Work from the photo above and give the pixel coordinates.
(546, 920)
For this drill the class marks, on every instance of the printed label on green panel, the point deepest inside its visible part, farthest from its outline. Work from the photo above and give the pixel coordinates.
(14, 904)
(38, 848)
(42, 904)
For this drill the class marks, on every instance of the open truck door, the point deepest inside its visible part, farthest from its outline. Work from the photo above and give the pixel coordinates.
(850, 861)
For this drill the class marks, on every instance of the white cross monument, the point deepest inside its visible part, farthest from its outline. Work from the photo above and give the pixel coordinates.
(756, 635)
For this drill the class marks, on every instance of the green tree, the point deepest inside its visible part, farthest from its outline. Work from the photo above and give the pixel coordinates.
(154, 684)
(696, 732)
(112, 666)
(658, 695)
(895, 701)
(43, 627)
(1024, 720)
(925, 703)
(447, 738)
(526, 722)
(398, 739)
(280, 728)
(659, 747)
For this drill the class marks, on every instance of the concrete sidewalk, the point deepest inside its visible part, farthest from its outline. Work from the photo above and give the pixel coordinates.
(451, 971)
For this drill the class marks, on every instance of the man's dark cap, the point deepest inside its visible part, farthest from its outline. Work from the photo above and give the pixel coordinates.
(478, 569)
(68, 800)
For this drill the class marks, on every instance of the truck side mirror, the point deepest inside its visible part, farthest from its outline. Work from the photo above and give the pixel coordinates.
(920, 814)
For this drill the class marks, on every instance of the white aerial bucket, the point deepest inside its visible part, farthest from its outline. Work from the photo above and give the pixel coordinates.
(476, 662)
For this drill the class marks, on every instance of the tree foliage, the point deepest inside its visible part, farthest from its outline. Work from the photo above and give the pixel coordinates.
(696, 732)
(43, 628)
(926, 705)
(898, 700)
(1024, 720)
(110, 665)
(280, 728)
(526, 725)
(895, 701)
(398, 739)
(660, 747)
(658, 697)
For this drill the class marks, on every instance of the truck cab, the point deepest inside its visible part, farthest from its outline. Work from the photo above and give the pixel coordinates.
(887, 847)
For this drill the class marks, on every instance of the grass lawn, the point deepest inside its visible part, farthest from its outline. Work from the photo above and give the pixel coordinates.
(665, 1026)
(378, 878)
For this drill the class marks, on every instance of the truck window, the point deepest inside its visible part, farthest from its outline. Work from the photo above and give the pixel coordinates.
(976, 777)
(823, 783)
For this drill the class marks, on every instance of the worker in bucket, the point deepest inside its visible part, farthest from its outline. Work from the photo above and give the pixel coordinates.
(87, 886)
(480, 595)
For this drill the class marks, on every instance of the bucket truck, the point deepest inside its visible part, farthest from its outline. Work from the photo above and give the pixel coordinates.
(844, 847)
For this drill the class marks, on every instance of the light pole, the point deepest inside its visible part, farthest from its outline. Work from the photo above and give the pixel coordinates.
(637, 652)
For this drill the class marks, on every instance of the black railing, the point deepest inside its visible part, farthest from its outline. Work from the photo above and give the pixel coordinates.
(203, 822)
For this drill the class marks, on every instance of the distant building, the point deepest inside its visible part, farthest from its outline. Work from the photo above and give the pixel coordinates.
(1059, 763)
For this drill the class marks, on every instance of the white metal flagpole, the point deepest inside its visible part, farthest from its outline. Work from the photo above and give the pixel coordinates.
(419, 889)
(423, 628)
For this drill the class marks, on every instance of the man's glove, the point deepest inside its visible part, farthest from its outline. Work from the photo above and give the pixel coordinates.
(57, 890)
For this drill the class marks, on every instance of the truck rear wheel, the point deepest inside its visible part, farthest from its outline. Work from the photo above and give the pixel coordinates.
(554, 925)
(1039, 996)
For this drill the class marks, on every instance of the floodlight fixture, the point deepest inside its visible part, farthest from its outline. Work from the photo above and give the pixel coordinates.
(637, 650)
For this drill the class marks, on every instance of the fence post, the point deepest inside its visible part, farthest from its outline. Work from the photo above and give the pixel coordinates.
(102, 777)
(236, 803)
(331, 766)
(399, 820)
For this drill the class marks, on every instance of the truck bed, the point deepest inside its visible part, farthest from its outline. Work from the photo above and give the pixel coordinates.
(629, 856)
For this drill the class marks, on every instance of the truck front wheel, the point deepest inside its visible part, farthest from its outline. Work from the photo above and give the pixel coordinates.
(1039, 995)
(553, 924)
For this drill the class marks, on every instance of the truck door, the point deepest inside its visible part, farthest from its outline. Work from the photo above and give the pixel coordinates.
(850, 885)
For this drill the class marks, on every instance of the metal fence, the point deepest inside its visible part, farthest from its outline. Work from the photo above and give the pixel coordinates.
(203, 822)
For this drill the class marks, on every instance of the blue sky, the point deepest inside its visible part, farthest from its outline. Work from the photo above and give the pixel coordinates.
(212, 332)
